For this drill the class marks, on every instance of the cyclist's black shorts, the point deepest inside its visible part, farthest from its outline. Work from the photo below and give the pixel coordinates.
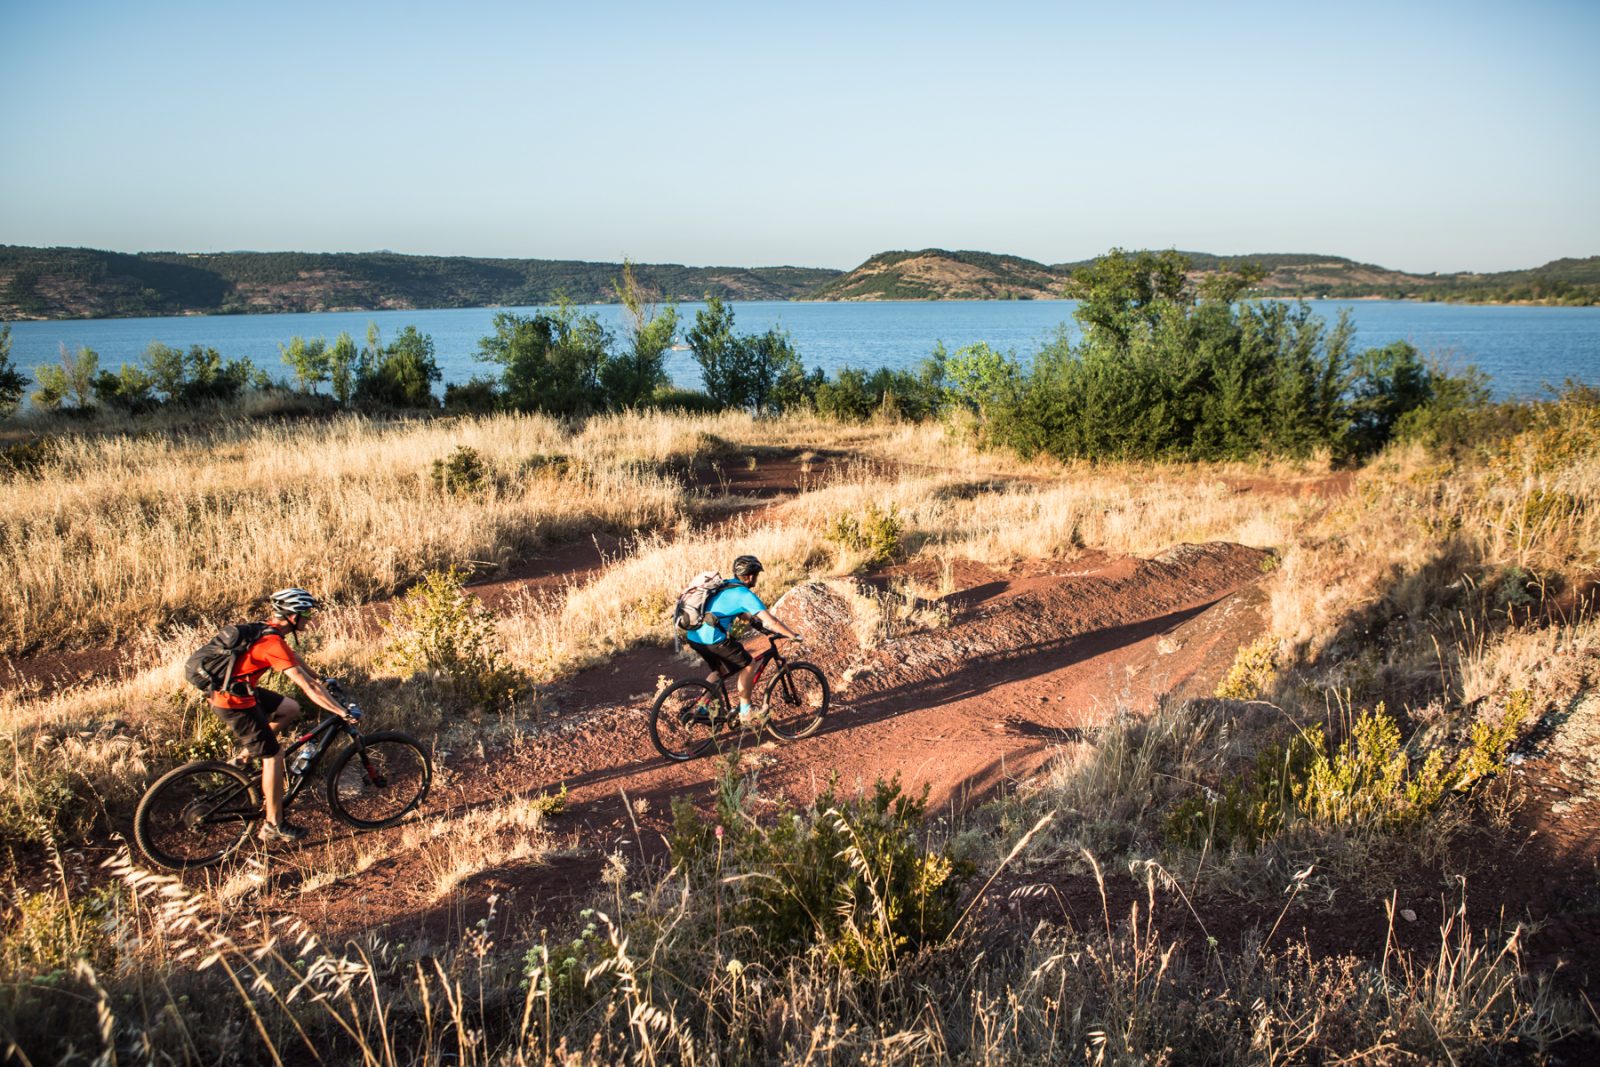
(252, 726)
(726, 656)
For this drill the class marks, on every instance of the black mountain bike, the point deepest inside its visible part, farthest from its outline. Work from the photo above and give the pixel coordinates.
(695, 715)
(198, 814)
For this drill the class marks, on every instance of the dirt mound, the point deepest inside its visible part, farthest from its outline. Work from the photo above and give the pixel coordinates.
(1055, 608)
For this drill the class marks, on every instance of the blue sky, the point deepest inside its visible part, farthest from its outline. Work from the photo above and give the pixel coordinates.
(1421, 136)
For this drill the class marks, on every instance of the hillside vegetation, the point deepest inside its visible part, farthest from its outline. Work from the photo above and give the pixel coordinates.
(52, 283)
(936, 274)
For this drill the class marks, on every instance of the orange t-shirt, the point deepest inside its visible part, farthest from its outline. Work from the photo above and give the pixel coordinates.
(270, 652)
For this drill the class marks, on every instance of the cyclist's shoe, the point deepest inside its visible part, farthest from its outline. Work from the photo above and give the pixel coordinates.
(281, 831)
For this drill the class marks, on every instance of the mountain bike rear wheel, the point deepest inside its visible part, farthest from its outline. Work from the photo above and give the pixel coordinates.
(379, 782)
(196, 815)
(690, 718)
(795, 701)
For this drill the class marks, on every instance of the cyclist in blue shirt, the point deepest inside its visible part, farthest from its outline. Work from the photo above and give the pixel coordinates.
(711, 639)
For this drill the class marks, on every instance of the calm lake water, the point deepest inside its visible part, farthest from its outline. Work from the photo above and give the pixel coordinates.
(1522, 349)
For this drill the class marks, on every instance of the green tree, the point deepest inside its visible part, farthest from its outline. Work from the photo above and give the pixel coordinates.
(128, 390)
(977, 377)
(343, 359)
(716, 349)
(403, 374)
(631, 377)
(1166, 369)
(1119, 292)
(551, 360)
(12, 382)
(167, 370)
(208, 377)
(72, 377)
(310, 361)
(1390, 382)
(760, 373)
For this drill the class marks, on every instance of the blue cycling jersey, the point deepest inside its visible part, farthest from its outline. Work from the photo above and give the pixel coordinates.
(725, 605)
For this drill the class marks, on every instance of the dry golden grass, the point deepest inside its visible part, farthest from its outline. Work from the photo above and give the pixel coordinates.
(663, 980)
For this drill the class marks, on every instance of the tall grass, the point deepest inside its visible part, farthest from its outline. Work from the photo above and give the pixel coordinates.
(1440, 584)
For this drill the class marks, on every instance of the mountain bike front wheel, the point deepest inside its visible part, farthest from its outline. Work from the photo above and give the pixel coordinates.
(795, 701)
(688, 719)
(380, 781)
(196, 815)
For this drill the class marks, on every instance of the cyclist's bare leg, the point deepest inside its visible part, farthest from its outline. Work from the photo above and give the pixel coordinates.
(272, 788)
(745, 683)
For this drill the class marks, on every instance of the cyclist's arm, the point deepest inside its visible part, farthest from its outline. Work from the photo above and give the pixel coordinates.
(312, 687)
(770, 621)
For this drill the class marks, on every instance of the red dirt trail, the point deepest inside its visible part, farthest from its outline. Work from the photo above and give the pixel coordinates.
(1031, 660)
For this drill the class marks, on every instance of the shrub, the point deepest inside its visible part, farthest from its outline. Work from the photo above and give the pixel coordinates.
(848, 875)
(689, 401)
(464, 472)
(855, 396)
(25, 458)
(12, 382)
(552, 360)
(50, 931)
(480, 396)
(439, 628)
(1369, 781)
(400, 375)
(1253, 670)
(876, 532)
(760, 373)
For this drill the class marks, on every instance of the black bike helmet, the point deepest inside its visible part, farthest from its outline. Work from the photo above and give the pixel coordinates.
(747, 567)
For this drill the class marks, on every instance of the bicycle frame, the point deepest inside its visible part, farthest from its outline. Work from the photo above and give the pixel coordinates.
(771, 655)
(323, 733)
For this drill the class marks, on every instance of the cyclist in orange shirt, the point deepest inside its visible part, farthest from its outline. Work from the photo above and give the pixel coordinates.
(256, 715)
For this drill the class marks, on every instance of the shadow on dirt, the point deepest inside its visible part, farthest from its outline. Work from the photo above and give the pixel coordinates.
(981, 673)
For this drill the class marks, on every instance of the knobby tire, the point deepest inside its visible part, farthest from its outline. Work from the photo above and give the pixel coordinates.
(197, 815)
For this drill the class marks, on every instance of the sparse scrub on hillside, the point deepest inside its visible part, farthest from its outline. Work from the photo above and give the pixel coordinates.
(441, 631)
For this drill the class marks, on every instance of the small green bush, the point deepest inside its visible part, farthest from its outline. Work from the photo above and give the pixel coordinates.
(438, 628)
(849, 875)
(689, 401)
(50, 932)
(1368, 781)
(1253, 670)
(877, 532)
(463, 473)
(480, 396)
(25, 458)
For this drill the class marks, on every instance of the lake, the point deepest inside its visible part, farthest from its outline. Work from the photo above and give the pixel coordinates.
(1522, 349)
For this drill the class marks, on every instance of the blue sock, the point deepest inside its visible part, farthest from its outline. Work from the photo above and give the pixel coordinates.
(744, 709)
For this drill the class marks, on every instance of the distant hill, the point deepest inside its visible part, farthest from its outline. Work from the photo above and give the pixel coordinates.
(53, 283)
(937, 274)
(934, 274)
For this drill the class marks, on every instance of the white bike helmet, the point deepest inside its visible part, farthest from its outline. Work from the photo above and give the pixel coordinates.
(288, 602)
